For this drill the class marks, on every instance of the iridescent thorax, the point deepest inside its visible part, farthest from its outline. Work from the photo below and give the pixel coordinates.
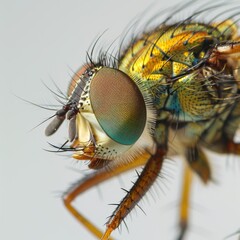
(174, 62)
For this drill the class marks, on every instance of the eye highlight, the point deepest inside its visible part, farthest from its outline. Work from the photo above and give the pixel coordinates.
(118, 105)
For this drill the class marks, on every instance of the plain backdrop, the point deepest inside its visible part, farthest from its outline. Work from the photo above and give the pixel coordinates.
(42, 41)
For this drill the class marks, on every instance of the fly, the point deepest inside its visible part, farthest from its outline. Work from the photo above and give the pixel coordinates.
(174, 84)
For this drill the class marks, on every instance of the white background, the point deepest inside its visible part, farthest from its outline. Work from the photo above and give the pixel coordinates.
(44, 40)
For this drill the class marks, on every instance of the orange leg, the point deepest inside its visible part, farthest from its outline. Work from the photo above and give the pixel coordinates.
(184, 204)
(141, 186)
(91, 181)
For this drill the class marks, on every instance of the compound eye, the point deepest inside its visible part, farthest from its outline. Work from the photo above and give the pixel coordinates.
(118, 105)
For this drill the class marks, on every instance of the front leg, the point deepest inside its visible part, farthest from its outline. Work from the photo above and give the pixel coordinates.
(139, 189)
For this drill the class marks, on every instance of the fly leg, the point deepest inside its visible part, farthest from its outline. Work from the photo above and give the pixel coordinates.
(198, 163)
(141, 186)
(91, 181)
(184, 204)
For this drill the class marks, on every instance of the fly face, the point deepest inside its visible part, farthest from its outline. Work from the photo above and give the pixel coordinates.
(107, 116)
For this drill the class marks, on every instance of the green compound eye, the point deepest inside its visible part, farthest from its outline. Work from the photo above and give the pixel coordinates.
(118, 105)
